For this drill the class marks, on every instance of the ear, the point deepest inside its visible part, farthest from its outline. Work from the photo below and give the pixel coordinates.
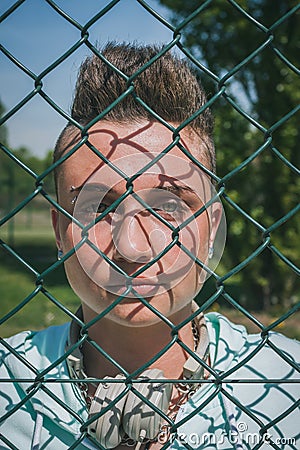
(215, 220)
(55, 224)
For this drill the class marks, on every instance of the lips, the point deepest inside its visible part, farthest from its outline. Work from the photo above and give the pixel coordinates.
(142, 286)
(146, 290)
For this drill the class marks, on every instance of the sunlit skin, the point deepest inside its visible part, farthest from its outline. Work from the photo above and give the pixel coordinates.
(131, 333)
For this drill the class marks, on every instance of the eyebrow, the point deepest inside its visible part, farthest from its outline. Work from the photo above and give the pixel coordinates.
(176, 189)
(90, 187)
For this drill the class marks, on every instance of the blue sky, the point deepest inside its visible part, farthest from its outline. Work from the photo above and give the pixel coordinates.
(36, 35)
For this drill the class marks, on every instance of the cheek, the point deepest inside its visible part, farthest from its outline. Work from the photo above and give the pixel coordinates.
(193, 239)
(178, 262)
(202, 225)
(99, 235)
(194, 242)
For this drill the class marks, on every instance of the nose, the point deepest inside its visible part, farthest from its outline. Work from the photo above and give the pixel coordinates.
(131, 239)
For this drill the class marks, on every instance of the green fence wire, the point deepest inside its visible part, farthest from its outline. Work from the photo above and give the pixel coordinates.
(41, 380)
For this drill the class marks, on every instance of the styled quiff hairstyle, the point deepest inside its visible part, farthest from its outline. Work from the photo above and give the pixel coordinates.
(168, 86)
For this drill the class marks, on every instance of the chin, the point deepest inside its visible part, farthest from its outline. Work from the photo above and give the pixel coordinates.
(134, 314)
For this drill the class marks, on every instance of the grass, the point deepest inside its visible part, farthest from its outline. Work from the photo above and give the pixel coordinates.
(35, 243)
(33, 240)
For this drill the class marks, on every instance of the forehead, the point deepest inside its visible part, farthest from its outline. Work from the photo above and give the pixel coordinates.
(130, 147)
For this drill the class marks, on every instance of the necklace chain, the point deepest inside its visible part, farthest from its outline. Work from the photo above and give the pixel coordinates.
(196, 334)
(185, 390)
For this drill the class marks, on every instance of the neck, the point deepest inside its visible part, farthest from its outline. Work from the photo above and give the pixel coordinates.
(132, 347)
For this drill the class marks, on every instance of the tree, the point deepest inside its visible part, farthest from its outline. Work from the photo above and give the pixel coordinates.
(267, 87)
(3, 129)
(15, 183)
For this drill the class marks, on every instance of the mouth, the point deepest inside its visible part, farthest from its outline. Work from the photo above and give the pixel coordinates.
(142, 286)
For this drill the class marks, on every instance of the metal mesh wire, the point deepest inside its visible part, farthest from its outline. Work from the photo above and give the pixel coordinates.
(39, 378)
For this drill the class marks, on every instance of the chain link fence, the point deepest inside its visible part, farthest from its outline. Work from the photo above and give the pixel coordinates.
(43, 380)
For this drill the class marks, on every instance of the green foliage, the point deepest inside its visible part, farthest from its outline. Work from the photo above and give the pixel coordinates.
(16, 184)
(220, 36)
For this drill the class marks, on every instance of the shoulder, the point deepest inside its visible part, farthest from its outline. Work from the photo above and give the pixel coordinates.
(271, 354)
(36, 347)
(256, 390)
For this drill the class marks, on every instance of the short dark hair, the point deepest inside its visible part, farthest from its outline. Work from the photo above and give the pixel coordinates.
(168, 86)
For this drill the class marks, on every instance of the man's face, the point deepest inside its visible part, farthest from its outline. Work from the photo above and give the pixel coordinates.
(135, 235)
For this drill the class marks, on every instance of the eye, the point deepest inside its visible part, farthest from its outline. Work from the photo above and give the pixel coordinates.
(101, 208)
(89, 210)
(96, 208)
(171, 209)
